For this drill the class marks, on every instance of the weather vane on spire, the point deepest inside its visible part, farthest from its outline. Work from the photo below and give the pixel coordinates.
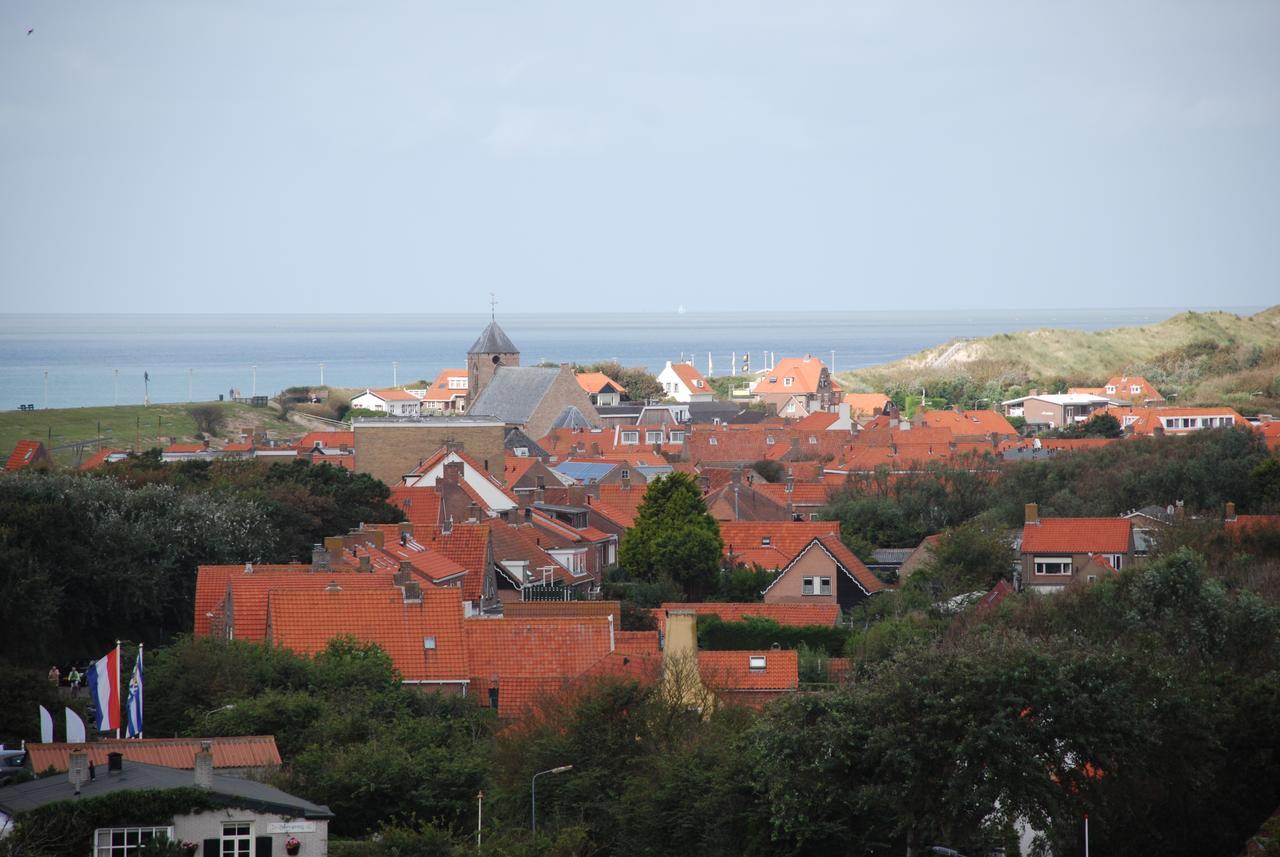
(493, 307)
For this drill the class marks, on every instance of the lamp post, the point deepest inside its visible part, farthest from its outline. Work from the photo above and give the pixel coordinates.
(533, 792)
(227, 707)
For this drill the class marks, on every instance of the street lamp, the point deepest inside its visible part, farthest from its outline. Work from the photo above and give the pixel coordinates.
(227, 707)
(533, 792)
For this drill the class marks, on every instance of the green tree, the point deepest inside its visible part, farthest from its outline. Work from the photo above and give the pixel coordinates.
(674, 538)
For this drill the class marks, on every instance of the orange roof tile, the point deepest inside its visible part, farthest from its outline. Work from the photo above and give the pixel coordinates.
(249, 751)
(732, 611)
(731, 671)
(395, 395)
(805, 372)
(1078, 535)
(1241, 523)
(524, 609)
(250, 592)
(866, 404)
(421, 506)
(326, 440)
(305, 622)
(99, 458)
(786, 537)
(691, 378)
(598, 382)
(24, 453)
(966, 422)
(440, 391)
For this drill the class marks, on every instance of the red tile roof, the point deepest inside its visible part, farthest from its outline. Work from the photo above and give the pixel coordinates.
(440, 391)
(249, 751)
(1078, 535)
(731, 611)
(866, 404)
(569, 609)
(185, 448)
(251, 592)
(966, 422)
(785, 539)
(211, 590)
(395, 395)
(598, 382)
(326, 440)
(691, 378)
(305, 622)
(24, 453)
(731, 671)
(421, 506)
(99, 458)
(1241, 523)
(468, 546)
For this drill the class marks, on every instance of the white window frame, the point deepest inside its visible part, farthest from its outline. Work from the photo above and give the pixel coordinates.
(653, 436)
(241, 843)
(791, 406)
(1135, 388)
(757, 663)
(712, 441)
(806, 586)
(1115, 559)
(788, 381)
(458, 383)
(1041, 563)
(677, 437)
(1111, 388)
(109, 848)
(631, 437)
(768, 439)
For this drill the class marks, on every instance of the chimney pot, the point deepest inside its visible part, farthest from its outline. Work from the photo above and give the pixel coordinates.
(1033, 513)
(366, 563)
(1231, 511)
(78, 768)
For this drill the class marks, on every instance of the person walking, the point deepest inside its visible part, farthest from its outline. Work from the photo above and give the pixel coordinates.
(55, 675)
(73, 678)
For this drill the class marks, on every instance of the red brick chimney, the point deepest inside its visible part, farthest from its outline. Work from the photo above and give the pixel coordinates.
(1033, 513)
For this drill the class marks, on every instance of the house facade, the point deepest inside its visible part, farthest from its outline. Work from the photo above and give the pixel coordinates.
(396, 403)
(823, 572)
(682, 382)
(1055, 410)
(1057, 552)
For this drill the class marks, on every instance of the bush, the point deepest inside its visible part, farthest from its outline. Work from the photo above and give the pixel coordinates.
(714, 634)
(209, 419)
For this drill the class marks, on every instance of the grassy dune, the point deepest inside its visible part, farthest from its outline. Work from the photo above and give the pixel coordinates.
(125, 426)
(1214, 356)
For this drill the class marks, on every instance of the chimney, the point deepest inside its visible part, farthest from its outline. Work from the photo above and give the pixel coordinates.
(595, 450)
(1231, 511)
(626, 481)
(402, 575)
(204, 766)
(366, 563)
(528, 514)
(115, 763)
(335, 545)
(1032, 513)
(454, 446)
(453, 472)
(791, 483)
(374, 536)
(682, 635)
(704, 484)
(319, 558)
(412, 593)
(447, 527)
(78, 768)
(576, 495)
(473, 512)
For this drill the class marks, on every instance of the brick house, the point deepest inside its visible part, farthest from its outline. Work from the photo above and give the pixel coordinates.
(1056, 552)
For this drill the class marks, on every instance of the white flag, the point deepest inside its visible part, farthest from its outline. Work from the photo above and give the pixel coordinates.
(75, 728)
(46, 726)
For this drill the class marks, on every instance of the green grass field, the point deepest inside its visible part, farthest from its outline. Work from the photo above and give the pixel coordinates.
(125, 426)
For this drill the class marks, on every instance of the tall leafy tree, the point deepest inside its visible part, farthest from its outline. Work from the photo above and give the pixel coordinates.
(674, 537)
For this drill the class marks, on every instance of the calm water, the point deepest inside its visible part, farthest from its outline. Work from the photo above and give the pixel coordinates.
(218, 352)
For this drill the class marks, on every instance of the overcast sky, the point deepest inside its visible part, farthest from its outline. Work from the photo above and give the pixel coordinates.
(277, 156)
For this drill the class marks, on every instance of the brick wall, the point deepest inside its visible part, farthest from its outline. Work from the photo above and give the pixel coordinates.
(389, 450)
(564, 391)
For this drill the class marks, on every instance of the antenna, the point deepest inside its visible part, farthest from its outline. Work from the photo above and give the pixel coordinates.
(493, 307)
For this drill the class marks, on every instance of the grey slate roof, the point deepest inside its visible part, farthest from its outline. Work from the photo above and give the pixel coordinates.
(516, 439)
(493, 341)
(892, 556)
(136, 775)
(571, 418)
(514, 393)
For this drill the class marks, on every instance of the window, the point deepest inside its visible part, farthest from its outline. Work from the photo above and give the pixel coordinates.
(1115, 559)
(457, 383)
(1135, 388)
(631, 437)
(697, 382)
(521, 451)
(769, 440)
(677, 437)
(237, 839)
(786, 382)
(625, 474)
(1053, 565)
(816, 586)
(653, 437)
(712, 441)
(756, 662)
(1093, 578)
(813, 439)
(124, 841)
(1111, 388)
(791, 406)
(766, 540)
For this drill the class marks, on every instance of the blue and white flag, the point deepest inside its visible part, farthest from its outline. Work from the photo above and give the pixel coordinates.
(134, 729)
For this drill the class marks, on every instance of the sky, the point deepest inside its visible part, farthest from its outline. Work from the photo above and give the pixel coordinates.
(863, 154)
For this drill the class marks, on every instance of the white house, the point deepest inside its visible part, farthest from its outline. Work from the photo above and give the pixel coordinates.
(682, 382)
(244, 817)
(397, 403)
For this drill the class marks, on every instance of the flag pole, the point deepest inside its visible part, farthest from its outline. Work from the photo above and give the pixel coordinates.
(117, 681)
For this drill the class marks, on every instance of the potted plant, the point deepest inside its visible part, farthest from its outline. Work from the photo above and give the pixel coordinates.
(292, 846)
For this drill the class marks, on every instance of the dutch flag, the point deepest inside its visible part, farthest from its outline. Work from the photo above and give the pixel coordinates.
(104, 690)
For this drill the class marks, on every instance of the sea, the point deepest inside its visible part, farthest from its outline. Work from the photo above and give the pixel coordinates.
(80, 360)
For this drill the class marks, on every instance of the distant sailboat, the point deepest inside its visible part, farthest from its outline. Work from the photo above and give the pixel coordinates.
(680, 310)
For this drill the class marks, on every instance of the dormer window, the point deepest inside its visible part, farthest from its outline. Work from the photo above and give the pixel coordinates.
(521, 451)
(769, 440)
(697, 382)
(787, 382)
(812, 439)
(756, 663)
(631, 437)
(1111, 388)
(1135, 388)
(766, 540)
(713, 441)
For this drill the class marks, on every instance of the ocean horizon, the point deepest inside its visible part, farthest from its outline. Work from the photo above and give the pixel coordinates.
(100, 359)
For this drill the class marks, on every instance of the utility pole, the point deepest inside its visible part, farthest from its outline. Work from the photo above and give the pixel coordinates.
(479, 815)
(115, 385)
(395, 373)
(833, 361)
(254, 388)
(321, 374)
(189, 371)
(46, 389)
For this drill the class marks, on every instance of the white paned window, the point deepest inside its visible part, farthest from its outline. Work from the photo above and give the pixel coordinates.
(1053, 565)
(631, 437)
(653, 437)
(125, 841)
(237, 839)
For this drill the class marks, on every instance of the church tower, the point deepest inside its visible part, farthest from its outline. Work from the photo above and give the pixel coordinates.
(491, 350)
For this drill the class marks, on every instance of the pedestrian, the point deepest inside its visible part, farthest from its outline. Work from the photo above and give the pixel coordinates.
(55, 675)
(73, 678)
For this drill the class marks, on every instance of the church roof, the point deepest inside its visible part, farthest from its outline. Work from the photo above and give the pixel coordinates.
(515, 393)
(493, 341)
(571, 418)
